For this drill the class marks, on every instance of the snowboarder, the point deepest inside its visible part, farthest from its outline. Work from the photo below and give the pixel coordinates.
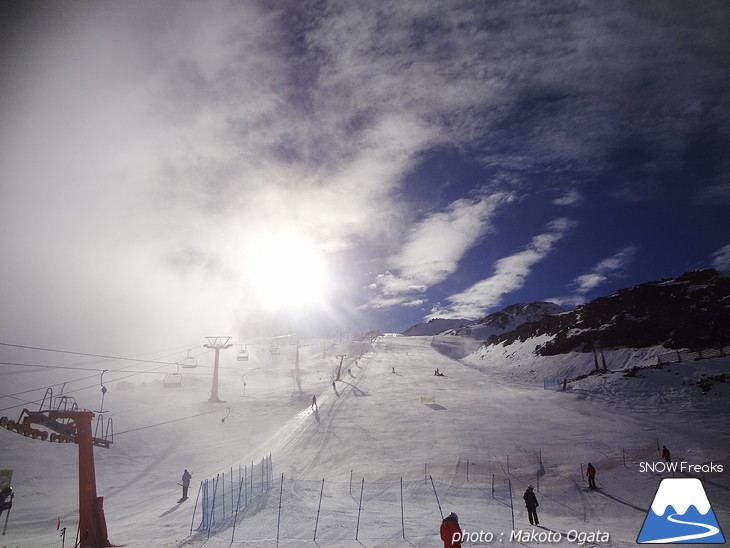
(6, 499)
(591, 476)
(450, 531)
(185, 485)
(531, 504)
(666, 455)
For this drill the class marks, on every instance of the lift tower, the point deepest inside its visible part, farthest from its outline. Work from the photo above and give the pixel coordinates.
(73, 426)
(216, 343)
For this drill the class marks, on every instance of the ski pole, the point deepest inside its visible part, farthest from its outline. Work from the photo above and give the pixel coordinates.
(5, 527)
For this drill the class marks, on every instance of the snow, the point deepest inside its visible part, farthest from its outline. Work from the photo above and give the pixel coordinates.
(389, 419)
(680, 494)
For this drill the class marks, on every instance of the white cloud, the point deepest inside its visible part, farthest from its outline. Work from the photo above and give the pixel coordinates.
(433, 248)
(510, 274)
(600, 273)
(570, 198)
(721, 258)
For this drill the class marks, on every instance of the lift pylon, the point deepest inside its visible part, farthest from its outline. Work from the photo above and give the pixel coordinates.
(72, 426)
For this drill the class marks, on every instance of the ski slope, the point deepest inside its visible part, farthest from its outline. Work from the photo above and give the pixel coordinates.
(484, 426)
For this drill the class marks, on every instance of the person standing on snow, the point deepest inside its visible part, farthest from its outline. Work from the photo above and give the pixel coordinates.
(185, 484)
(450, 531)
(666, 455)
(6, 499)
(531, 504)
(591, 473)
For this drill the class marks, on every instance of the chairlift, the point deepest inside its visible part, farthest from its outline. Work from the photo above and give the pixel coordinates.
(190, 361)
(242, 355)
(173, 380)
(274, 349)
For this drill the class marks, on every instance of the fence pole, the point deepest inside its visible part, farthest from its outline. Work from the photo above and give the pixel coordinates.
(492, 485)
(511, 502)
(238, 502)
(402, 516)
(211, 519)
(195, 507)
(438, 502)
(319, 506)
(467, 470)
(204, 507)
(623, 456)
(359, 509)
(278, 519)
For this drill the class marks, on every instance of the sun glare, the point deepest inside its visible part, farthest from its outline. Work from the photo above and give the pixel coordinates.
(286, 270)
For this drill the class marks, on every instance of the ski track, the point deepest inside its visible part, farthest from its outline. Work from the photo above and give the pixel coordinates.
(711, 530)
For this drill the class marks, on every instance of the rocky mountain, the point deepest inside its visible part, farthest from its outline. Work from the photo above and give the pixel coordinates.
(435, 327)
(499, 322)
(691, 311)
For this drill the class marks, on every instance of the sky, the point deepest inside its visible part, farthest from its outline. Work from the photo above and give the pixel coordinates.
(172, 170)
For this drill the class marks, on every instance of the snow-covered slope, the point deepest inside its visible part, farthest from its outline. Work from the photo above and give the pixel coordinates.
(482, 432)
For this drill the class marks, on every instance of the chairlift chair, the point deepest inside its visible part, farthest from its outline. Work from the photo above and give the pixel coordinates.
(190, 361)
(242, 355)
(173, 380)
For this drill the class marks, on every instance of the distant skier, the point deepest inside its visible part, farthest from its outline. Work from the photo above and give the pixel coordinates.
(314, 402)
(185, 485)
(450, 531)
(666, 455)
(6, 499)
(334, 386)
(531, 504)
(591, 473)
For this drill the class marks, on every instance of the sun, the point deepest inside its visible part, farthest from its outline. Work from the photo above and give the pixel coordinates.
(286, 270)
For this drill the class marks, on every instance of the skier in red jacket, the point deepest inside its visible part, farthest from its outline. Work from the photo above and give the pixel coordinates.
(451, 532)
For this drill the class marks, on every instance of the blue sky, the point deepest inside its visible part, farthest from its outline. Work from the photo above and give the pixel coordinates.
(173, 170)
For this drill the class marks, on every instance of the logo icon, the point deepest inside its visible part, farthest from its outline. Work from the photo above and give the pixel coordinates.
(680, 513)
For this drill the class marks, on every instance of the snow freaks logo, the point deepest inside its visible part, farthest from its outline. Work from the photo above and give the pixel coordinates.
(680, 513)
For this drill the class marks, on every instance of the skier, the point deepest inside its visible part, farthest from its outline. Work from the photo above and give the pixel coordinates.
(6, 499)
(591, 476)
(450, 531)
(666, 455)
(314, 402)
(531, 504)
(185, 484)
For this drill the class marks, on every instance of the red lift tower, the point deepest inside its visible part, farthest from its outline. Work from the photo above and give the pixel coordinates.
(73, 426)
